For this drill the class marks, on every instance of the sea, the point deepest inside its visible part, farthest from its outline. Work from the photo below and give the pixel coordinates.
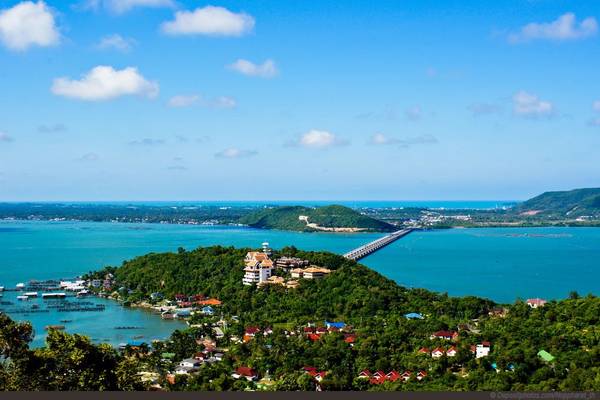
(503, 264)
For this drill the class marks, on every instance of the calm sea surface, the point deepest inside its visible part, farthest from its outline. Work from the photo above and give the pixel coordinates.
(502, 264)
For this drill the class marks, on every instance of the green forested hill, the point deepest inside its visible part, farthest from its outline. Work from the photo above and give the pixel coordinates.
(572, 203)
(352, 292)
(375, 307)
(333, 216)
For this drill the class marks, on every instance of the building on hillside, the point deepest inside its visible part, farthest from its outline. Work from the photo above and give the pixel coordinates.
(535, 303)
(288, 263)
(446, 335)
(245, 372)
(312, 272)
(273, 280)
(437, 352)
(482, 349)
(451, 352)
(258, 268)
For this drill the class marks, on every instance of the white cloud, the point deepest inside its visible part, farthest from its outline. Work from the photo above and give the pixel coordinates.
(267, 69)
(105, 83)
(224, 102)
(596, 105)
(5, 137)
(530, 105)
(414, 113)
(234, 152)
(182, 100)
(122, 6)
(564, 27)
(28, 24)
(380, 139)
(116, 42)
(209, 20)
(317, 139)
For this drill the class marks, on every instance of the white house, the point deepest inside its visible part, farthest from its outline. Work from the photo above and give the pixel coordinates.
(258, 268)
(482, 350)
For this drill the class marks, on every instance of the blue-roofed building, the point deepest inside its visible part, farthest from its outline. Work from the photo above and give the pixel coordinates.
(208, 310)
(183, 312)
(338, 325)
(413, 315)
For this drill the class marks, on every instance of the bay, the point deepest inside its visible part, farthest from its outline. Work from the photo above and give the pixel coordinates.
(501, 264)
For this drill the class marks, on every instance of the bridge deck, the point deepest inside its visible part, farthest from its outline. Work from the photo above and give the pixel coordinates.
(375, 245)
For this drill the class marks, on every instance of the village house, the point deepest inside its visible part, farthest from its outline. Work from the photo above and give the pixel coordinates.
(392, 376)
(244, 372)
(421, 375)
(498, 312)
(317, 375)
(481, 349)
(258, 268)
(451, 352)
(423, 350)
(535, 303)
(337, 325)
(380, 377)
(250, 332)
(437, 352)
(446, 335)
(406, 376)
(188, 366)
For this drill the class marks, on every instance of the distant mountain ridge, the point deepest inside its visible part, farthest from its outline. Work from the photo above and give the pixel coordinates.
(571, 203)
(327, 218)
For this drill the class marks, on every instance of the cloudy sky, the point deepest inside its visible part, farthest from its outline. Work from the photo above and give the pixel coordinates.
(231, 100)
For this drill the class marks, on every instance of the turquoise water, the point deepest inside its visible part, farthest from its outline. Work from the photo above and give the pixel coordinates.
(499, 263)
(502, 264)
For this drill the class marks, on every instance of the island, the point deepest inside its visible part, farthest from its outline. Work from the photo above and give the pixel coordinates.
(579, 207)
(310, 321)
(333, 218)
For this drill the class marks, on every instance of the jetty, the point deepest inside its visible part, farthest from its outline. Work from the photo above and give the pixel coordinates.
(375, 245)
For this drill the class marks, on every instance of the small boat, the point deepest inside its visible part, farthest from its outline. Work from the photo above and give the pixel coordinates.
(31, 294)
(65, 321)
(83, 293)
(22, 298)
(56, 327)
(1, 288)
(20, 286)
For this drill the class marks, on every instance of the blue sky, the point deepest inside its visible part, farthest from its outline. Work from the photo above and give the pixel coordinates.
(231, 100)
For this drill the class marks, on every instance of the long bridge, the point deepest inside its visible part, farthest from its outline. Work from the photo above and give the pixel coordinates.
(375, 245)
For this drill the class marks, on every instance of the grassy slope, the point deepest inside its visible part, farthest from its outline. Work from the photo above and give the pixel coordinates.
(575, 202)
